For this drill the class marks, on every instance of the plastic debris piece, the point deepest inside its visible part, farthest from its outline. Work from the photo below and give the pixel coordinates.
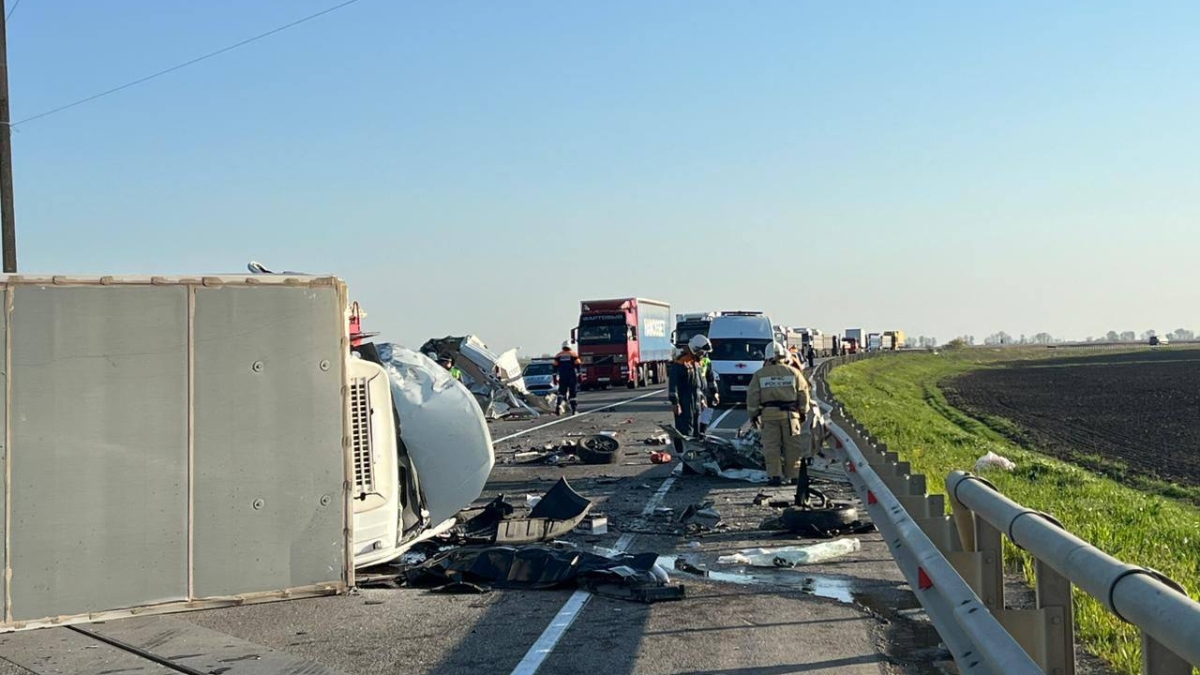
(660, 458)
(994, 461)
(532, 500)
(791, 556)
(699, 517)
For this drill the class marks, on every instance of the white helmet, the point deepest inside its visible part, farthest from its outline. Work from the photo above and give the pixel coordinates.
(566, 344)
(778, 352)
(699, 344)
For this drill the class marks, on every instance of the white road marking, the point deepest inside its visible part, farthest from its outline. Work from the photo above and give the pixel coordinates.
(568, 418)
(717, 422)
(570, 611)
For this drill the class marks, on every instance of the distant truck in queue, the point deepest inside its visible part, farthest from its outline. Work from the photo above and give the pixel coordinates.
(688, 326)
(897, 339)
(874, 342)
(853, 340)
(623, 341)
(823, 345)
(740, 341)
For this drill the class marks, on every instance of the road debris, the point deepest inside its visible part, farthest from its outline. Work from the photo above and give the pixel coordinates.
(624, 576)
(658, 439)
(792, 556)
(494, 379)
(599, 448)
(593, 524)
(700, 517)
(556, 513)
(660, 458)
(994, 461)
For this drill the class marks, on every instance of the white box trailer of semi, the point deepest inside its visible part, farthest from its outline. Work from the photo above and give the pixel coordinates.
(224, 445)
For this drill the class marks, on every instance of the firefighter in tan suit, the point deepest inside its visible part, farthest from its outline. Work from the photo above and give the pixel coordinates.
(777, 399)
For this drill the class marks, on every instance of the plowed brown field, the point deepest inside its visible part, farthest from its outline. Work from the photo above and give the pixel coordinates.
(1140, 410)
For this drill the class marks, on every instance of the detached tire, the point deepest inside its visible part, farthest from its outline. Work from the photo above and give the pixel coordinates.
(832, 519)
(599, 450)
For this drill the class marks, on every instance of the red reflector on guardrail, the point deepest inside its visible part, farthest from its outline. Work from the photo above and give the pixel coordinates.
(850, 467)
(923, 581)
(871, 498)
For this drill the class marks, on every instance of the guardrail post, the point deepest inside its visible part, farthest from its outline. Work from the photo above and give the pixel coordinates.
(1158, 660)
(1054, 597)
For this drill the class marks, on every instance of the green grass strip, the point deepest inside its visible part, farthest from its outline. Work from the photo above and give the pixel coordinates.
(898, 399)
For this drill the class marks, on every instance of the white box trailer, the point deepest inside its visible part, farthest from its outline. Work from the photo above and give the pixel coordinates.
(175, 443)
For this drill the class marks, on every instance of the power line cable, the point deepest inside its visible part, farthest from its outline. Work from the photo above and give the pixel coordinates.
(14, 8)
(185, 64)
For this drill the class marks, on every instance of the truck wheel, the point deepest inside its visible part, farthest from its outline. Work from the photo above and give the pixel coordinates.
(599, 449)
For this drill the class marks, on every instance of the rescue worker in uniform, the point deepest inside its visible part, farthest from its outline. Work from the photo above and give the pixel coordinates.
(689, 389)
(778, 401)
(710, 382)
(566, 372)
(448, 363)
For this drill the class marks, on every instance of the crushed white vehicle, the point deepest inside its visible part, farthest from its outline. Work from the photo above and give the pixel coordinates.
(422, 450)
(495, 379)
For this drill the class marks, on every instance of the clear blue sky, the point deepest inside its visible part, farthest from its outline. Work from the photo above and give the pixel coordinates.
(941, 167)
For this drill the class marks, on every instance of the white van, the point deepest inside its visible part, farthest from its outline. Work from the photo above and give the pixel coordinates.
(741, 342)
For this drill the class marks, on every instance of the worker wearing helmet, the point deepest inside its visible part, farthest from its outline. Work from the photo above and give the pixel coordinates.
(689, 388)
(447, 362)
(778, 401)
(566, 373)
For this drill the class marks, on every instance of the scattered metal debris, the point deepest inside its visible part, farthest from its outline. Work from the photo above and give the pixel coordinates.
(555, 514)
(494, 379)
(699, 517)
(478, 568)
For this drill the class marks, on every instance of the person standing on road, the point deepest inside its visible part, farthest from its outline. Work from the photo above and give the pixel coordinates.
(777, 399)
(811, 355)
(566, 373)
(689, 389)
(710, 383)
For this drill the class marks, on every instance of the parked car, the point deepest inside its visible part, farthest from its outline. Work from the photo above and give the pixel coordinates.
(539, 376)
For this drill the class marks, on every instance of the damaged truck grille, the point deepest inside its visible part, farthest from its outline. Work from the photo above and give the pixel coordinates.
(360, 433)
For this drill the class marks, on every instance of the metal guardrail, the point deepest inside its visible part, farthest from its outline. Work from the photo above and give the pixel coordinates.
(1168, 619)
(970, 544)
(976, 640)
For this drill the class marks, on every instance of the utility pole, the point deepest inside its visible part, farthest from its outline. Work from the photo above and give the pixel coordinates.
(8, 221)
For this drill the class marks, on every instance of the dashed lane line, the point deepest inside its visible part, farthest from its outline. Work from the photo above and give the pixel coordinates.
(568, 418)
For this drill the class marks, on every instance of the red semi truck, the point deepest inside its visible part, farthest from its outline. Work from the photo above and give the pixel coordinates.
(623, 341)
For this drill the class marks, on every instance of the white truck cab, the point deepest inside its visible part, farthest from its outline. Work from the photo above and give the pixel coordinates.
(741, 341)
(421, 451)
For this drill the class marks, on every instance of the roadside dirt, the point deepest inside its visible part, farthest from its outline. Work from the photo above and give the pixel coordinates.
(1140, 410)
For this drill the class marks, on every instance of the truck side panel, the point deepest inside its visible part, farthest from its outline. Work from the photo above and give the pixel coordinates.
(268, 413)
(654, 331)
(99, 448)
(172, 443)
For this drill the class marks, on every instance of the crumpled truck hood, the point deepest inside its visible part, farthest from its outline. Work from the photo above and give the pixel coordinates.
(443, 429)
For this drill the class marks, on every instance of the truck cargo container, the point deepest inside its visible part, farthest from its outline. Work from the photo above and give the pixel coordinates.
(688, 326)
(874, 342)
(623, 341)
(898, 341)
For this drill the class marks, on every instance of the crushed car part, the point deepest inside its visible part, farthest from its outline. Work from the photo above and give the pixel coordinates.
(699, 517)
(558, 512)
(542, 567)
(495, 379)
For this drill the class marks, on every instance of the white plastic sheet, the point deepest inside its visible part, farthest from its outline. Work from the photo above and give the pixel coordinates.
(791, 556)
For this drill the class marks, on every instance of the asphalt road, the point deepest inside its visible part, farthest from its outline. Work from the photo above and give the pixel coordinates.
(851, 615)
